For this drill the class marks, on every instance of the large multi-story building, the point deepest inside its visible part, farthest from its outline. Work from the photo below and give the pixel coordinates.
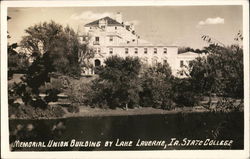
(109, 37)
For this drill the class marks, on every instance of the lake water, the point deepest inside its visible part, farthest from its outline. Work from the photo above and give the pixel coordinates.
(213, 127)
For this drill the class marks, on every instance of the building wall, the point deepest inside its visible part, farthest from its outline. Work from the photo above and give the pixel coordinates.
(164, 54)
(183, 61)
(121, 40)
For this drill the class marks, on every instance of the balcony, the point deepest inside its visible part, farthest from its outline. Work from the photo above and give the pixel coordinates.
(96, 43)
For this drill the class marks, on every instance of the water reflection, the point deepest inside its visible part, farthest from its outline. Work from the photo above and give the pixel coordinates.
(145, 127)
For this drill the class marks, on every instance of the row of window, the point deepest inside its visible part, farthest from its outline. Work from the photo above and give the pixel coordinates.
(111, 38)
(136, 50)
(154, 61)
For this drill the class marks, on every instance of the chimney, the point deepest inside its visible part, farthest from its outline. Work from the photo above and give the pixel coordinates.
(118, 17)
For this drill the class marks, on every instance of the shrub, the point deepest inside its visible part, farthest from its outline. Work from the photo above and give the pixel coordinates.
(184, 95)
(78, 90)
(156, 84)
(73, 109)
(30, 112)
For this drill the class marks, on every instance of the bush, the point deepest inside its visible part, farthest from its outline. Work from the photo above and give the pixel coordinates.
(29, 112)
(156, 84)
(184, 95)
(78, 90)
(73, 109)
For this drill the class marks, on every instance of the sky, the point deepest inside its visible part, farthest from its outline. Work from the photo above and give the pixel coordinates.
(170, 25)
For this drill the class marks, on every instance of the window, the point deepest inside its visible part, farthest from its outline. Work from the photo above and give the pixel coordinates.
(111, 50)
(164, 50)
(155, 50)
(98, 50)
(133, 40)
(181, 63)
(145, 50)
(115, 28)
(96, 42)
(165, 62)
(126, 50)
(136, 50)
(111, 38)
(97, 62)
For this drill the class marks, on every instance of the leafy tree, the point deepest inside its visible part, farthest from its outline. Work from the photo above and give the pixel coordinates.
(157, 87)
(118, 83)
(36, 76)
(183, 93)
(186, 49)
(62, 44)
(221, 72)
(17, 62)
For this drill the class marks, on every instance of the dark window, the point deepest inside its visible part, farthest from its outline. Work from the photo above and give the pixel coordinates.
(126, 50)
(181, 63)
(115, 28)
(165, 61)
(111, 50)
(111, 38)
(155, 50)
(97, 62)
(97, 38)
(165, 50)
(145, 50)
(136, 50)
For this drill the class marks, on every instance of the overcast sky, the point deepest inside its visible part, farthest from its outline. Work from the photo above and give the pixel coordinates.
(170, 25)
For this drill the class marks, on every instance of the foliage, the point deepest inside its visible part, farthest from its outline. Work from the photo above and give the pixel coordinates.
(17, 62)
(219, 71)
(78, 92)
(187, 49)
(118, 83)
(62, 44)
(156, 84)
(184, 93)
(73, 109)
(37, 75)
(29, 112)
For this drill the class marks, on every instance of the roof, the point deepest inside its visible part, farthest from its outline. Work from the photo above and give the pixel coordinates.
(109, 20)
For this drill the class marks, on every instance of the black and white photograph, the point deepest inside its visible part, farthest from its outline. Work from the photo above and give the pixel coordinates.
(125, 78)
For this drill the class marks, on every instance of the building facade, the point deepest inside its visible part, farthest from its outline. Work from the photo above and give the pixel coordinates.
(183, 61)
(109, 37)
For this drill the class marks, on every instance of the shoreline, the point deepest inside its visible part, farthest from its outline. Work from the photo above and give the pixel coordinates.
(99, 112)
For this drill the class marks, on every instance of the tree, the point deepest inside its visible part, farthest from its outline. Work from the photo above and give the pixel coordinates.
(62, 44)
(17, 62)
(157, 87)
(118, 83)
(221, 72)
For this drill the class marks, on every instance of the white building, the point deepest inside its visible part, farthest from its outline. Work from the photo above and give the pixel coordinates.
(183, 59)
(110, 37)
